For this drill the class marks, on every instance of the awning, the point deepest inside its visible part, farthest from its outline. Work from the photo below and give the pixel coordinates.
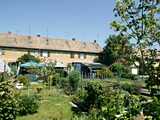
(31, 64)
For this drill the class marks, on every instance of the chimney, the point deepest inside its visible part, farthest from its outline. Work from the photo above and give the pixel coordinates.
(9, 32)
(74, 39)
(95, 41)
(29, 37)
(47, 41)
(38, 35)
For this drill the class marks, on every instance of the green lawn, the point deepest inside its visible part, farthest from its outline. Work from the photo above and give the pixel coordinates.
(54, 106)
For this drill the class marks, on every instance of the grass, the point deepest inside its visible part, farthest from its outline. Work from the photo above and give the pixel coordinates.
(54, 106)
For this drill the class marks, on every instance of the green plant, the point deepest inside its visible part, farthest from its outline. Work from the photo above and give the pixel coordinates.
(27, 57)
(73, 78)
(23, 79)
(100, 101)
(27, 104)
(7, 101)
(122, 70)
(104, 72)
(153, 109)
(37, 88)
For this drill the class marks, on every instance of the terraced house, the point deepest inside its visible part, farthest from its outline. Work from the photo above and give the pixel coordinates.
(13, 46)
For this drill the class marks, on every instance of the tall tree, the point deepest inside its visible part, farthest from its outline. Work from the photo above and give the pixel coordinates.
(138, 19)
(117, 48)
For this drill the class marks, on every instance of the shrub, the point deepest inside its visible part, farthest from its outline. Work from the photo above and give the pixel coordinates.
(23, 79)
(93, 97)
(104, 73)
(74, 78)
(101, 102)
(27, 104)
(131, 88)
(63, 83)
(7, 101)
(122, 71)
(27, 57)
(153, 109)
(37, 88)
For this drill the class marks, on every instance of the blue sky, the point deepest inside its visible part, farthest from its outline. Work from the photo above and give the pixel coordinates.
(85, 20)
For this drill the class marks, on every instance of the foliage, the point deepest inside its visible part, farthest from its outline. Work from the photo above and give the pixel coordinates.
(27, 104)
(37, 88)
(118, 69)
(48, 74)
(103, 102)
(23, 79)
(153, 109)
(27, 58)
(117, 47)
(138, 21)
(7, 101)
(153, 81)
(104, 73)
(131, 88)
(4, 76)
(74, 79)
(121, 70)
(63, 83)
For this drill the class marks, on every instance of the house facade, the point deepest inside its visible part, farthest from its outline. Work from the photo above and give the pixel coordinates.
(13, 46)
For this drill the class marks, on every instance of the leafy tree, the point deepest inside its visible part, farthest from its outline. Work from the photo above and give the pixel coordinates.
(138, 20)
(117, 47)
(27, 58)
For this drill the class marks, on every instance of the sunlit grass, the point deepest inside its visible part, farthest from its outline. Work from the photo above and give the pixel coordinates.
(54, 106)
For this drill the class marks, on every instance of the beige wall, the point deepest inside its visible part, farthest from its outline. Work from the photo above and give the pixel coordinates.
(66, 57)
(11, 55)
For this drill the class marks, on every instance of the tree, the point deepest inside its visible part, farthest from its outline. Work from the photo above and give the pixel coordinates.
(138, 20)
(27, 58)
(117, 47)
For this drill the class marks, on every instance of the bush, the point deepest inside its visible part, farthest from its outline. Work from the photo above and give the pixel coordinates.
(153, 109)
(27, 104)
(101, 102)
(92, 97)
(74, 78)
(37, 88)
(63, 82)
(104, 73)
(27, 58)
(23, 79)
(7, 101)
(121, 70)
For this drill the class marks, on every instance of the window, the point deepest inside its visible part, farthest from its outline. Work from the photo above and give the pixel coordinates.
(35, 53)
(72, 55)
(82, 56)
(2, 52)
(44, 54)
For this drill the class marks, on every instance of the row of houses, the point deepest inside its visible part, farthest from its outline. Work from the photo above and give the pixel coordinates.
(13, 46)
(81, 55)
